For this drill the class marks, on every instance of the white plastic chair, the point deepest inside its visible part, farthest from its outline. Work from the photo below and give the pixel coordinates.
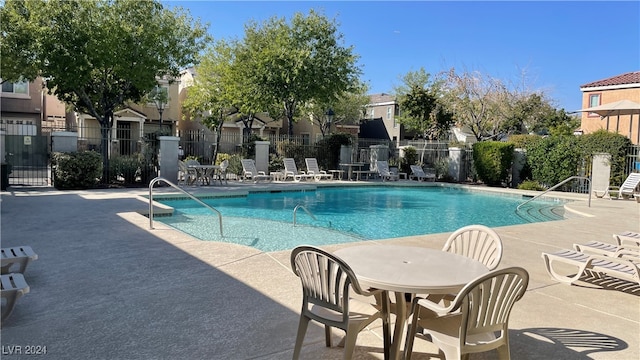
(478, 318)
(291, 171)
(314, 170)
(477, 242)
(383, 171)
(249, 171)
(326, 284)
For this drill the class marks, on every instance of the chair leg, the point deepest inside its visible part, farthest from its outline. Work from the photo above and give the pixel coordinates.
(10, 303)
(503, 351)
(302, 330)
(327, 336)
(411, 334)
(350, 342)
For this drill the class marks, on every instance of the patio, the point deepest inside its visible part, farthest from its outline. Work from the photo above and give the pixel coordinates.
(105, 287)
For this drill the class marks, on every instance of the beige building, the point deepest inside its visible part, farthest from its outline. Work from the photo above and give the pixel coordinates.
(620, 87)
(380, 118)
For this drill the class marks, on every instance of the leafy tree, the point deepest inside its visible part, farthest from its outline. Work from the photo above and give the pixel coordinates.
(348, 108)
(97, 55)
(420, 107)
(298, 62)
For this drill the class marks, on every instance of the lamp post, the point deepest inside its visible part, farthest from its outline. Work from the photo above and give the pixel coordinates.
(329, 115)
(160, 104)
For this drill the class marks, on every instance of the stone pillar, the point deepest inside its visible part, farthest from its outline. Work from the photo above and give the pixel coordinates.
(64, 141)
(519, 159)
(456, 163)
(262, 156)
(600, 172)
(346, 154)
(168, 157)
(377, 152)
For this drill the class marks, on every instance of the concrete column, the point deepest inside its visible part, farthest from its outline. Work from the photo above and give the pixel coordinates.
(456, 163)
(346, 154)
(378, 152)
(64, 141)
(168, 157)
(519, 159)
(600, 172)
(262, 156)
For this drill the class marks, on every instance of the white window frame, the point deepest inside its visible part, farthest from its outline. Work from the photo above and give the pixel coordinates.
(13, 94)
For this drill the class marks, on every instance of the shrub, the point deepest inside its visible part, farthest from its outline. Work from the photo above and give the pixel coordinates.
(77, 170)
(492, 160)
(126, 167)
(614, 144)
(235, 163)
(554, 159)
(410, 158)
(531, 185)
(328, 150)
(523, 141)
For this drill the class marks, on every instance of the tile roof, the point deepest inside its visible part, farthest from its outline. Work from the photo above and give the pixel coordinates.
(628, 78)
(381, 98)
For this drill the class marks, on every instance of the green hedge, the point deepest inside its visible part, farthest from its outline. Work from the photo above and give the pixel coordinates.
(78, 170)
(492, 160)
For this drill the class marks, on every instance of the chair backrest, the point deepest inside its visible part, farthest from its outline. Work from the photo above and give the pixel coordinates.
(290, 166)
(326, 280)
(248, 166)
(182, 166)
(224, 165)
(486, 302)
(477, 242)
(631, 182)
(417, 170)
(383, 167)
(312, 165)
(192, 162)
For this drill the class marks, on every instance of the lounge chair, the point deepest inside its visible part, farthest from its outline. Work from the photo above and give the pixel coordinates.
(476, 321)
(326, 282)
(624, 266)
(249, 171)
(314, 169)
(384, 172)
(20, 256)
(420, 175)
(13, 286)
(625, 191)
(291, 171)
(627, 238)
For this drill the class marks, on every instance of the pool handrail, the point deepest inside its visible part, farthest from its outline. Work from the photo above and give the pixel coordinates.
(556, 186)
(158, 179)
(300, 206)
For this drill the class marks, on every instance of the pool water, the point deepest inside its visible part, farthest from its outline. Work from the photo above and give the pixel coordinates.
(264, 220)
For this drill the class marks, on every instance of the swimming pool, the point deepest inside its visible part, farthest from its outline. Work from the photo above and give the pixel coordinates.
(264, 220)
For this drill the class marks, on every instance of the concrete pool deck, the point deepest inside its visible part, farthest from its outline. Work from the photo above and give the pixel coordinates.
(107, 287)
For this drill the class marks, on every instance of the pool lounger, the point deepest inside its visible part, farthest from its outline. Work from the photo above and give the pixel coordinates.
(21, 255)
(13, 287)
(624, 267)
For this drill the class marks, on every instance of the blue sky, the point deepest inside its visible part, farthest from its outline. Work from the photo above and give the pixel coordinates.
(559, 45)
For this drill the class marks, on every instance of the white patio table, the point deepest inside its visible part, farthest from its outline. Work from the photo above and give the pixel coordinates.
(201, 171)
(408, 269)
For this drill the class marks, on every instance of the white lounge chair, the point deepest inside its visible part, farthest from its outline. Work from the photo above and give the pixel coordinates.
(291, 171)
(12, 287)
(384, 172)
(314, 169)
(628, 188)
(420, 175)
(249, 171)
(624, 266)
(326, 282)
(476, 321)
(20, 256)
(627, 238)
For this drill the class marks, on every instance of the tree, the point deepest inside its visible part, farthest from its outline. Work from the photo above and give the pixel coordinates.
(348, 108)
(209, 98)
(97, 55)
(299, 62)
(475, 100)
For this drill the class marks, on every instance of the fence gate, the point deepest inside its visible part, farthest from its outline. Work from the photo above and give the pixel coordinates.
(28, 156)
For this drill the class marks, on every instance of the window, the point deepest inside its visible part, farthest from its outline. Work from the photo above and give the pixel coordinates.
(372, 113)
(20, 87)
(305, 138)
(389, 112)
(161, 93)
(594, 100)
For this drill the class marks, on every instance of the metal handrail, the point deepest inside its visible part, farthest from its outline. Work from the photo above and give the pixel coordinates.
(556, 186)
(158, 179)
(300, 206)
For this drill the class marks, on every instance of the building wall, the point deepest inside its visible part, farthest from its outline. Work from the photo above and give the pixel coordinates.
(620, 124)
